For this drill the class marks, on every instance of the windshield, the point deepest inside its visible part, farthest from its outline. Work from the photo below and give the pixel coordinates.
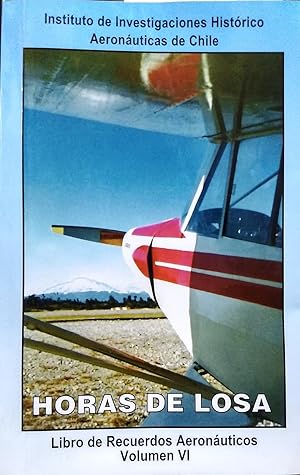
(206, 155)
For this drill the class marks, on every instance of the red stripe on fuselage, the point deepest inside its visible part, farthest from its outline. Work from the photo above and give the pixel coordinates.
(242, 266)
(237, 289)
(236, 265)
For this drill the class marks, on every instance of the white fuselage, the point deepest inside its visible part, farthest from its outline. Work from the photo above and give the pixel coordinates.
(223, 297)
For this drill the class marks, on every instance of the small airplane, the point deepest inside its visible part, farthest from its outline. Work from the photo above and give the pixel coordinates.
(216, 270)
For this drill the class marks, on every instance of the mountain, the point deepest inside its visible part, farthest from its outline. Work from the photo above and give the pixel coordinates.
(80, 284)
(83, 288)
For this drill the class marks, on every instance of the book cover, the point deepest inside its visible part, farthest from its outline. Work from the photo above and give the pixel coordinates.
(149, 245)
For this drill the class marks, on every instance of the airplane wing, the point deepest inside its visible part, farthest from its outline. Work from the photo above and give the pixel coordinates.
(145, 91)
(187, 94)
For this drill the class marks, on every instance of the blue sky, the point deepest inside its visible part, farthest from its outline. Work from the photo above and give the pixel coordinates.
(80, 172)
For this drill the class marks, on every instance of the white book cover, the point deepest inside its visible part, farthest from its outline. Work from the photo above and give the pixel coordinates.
(149, 245)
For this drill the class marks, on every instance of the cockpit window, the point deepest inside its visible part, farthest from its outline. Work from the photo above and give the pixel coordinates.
(241, 195)
(206, 218)
(206, 158)
(253, 189)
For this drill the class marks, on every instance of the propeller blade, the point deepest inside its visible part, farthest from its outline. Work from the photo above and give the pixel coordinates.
(103, 236)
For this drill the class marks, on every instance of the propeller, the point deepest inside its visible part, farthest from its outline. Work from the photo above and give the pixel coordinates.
(100, 235)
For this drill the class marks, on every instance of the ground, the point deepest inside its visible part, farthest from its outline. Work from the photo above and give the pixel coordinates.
(50, 375)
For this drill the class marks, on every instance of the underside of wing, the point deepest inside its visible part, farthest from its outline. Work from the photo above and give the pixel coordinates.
(187, 94)
(152, 92)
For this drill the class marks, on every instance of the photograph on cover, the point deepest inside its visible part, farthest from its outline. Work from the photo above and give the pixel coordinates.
(129, 323)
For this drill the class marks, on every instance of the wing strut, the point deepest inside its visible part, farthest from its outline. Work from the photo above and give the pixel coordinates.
(150, 372)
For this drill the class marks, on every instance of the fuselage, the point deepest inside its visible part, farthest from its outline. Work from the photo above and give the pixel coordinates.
(217, 272)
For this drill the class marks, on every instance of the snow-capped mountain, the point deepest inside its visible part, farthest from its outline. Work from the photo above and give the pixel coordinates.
(80, 284)
(83, 288)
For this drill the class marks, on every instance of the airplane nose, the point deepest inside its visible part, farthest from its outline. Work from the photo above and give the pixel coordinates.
(136, 255)
(137, 248)
(127, 246)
